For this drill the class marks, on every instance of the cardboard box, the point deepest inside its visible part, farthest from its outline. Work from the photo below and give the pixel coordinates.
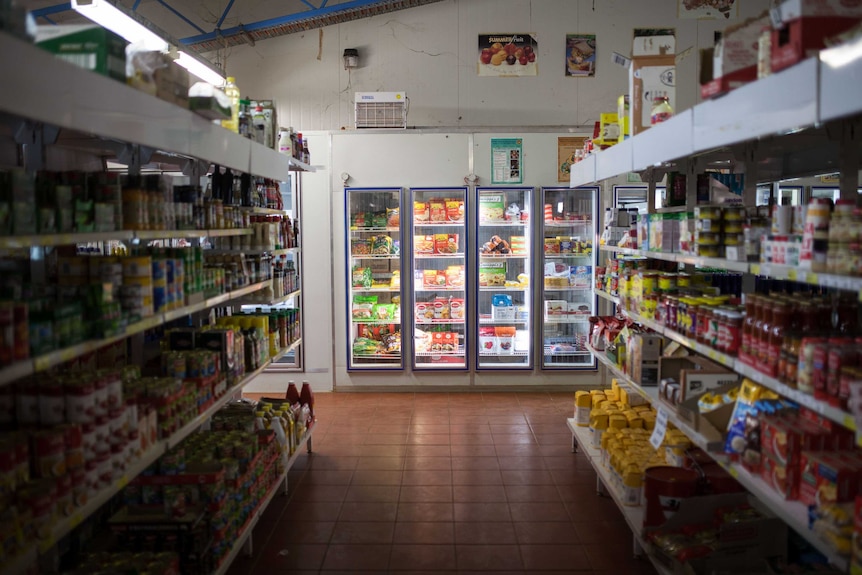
(735, 57)
(87, 46)
(653, 42)
(555, 310)
(644, 353)
(712, 424)
(696, 375)
(650, 76)
(172, 85)
(746, 543)
(663, 232)
(807, 24)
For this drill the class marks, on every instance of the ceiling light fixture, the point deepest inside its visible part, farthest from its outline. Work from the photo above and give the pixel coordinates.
(199, 69)
(109, 16)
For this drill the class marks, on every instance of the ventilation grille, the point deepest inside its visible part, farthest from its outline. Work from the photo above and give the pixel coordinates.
(380, 110)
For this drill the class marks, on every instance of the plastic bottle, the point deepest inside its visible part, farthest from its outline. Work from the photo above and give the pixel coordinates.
(259, 124)
(306, 397)
(231, 90)
(285, 144)
(292, 393)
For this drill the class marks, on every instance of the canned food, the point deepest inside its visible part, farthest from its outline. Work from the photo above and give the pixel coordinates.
(708, 239)
(707, 212)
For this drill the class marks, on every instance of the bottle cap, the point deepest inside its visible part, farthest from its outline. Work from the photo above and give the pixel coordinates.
(230, 80)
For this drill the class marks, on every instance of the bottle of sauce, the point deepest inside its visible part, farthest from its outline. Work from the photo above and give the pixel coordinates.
(766, 307)
(751, 302)
(778, 329)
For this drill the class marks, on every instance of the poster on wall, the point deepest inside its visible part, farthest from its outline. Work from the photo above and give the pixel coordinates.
(507, 161)
(580, 55)
(508, 55)
(566, 150)
(708, 9)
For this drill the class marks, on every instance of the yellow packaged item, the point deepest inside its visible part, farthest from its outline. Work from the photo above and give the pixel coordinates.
(618, 421)
(583, 405)
(598, 424)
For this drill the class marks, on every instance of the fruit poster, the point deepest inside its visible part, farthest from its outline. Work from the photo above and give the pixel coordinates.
(508, 55)
(581, 55)
(708, 9)
(566, 149)
(507, 161)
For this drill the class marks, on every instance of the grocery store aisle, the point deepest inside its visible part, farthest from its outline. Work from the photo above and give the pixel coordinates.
(442, 482)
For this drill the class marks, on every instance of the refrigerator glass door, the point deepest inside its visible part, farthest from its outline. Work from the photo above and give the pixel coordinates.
(504, 297)
(439, 303)
(568, 266)
(374, 277)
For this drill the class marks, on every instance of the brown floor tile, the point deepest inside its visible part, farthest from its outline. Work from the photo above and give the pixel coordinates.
(482, 512)
(556, 450)
(428, 439)
(470, 450)
(311, 492)
(618, 557)
(583, 482)
(349, 532)
(521, 462)
(424, 512)
(357, 557)
(565, 461)
(458, 428)
(552, 511)
(376, 477)
(428, 463)
(527, 477)
(378, 493)
(428, 451)
(478, 493)
(554, 557)
(429, 429)
(313, 510)
(545, 532)
(486, 557)
(484, 533)
(427, 477)
(386, 439)
(424, 416)
(471, 439)
(505, 439)
(383, 463)
(587, 508)
(426, 493)
(427, 533)
(290, 557)
(520, 428)
(389, 428)
(331, 439)
(301, 532)
(382, 450)
(506, 419)
(477, 477)
(431, 557)
(321, 461)
(597, 531)
(516, 450)
(545, 428)
(532, 493)
(554, 439)
(328, 476)
(368, 511)
(462, 462)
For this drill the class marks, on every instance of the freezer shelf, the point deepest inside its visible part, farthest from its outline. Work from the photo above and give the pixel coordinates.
(567, 286)
(505, 275)
(374, 305)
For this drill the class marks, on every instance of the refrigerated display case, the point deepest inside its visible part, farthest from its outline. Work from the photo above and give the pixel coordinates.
(438, 259)
(374, 277)
(568, 267)
(504, 278)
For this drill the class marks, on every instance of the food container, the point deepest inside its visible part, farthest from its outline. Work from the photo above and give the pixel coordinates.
(664, 487)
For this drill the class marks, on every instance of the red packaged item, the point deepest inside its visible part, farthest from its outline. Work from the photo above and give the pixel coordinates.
(806, 26)
(783, 479)
(843, 354)
(827, 478)
(784, 438)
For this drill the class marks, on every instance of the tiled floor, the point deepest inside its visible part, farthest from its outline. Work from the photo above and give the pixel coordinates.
(437, 482)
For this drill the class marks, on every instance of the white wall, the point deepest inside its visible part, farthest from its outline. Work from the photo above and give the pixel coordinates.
(431, 52)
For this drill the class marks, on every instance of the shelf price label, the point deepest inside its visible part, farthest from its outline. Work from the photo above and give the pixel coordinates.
(660, 428)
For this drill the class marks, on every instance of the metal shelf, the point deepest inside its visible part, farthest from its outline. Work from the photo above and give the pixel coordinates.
(567, 224)
(253, 252)
(502, 321)
(570, 288)
(60, 356)
(502, 224)
(503, 288)
(503, 256)
(437, 256)
(273, 302)
(436, 224)
(605, 295)
(564, 321)
(376, 290)
(376, 322)
(437, 321)
(375, 230)
(375, 257)
(561, 256)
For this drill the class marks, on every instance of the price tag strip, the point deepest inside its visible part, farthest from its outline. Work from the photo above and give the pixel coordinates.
(660, 428)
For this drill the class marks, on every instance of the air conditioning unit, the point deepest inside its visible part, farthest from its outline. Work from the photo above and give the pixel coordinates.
(380, 110)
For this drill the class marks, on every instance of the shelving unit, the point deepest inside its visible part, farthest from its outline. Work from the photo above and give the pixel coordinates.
(103, 117)
(783, 121)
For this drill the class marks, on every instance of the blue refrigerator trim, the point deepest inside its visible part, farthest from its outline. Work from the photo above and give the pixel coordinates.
(596, 191)
(530, 365)
(469, 304)
(349, 285)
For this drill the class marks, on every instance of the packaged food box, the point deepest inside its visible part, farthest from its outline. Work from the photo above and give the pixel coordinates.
(423, 244)
(87, 46)
(827, 478)
(421, 212)
(491, 207)
(437, 208)
(734, 61)
(807, 24)
(492, 273)
(555, 309)
(782, 478)
(650, 75)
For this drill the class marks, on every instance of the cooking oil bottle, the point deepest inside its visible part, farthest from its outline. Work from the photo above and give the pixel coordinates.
(231, 90)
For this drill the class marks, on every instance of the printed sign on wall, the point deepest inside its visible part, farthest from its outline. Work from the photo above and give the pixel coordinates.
(508, 55)
(708, 9)
(507, 162)
(581, 55)
(566, 149)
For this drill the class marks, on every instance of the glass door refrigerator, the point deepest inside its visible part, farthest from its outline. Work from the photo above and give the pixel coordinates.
(504, 300)
(374, 278)
(439, 278)
(567, 296)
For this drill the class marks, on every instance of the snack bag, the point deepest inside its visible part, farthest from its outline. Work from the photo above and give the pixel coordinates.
(383, 311)
(378, 219)
(381, 245)
(393, 218)
(360, 247)
(438, 210)
(423, 244)
(429, 278)
(455, 210)
(421, 212)
(446, 243)
(363, 306)
(455, 276)
(362, 277)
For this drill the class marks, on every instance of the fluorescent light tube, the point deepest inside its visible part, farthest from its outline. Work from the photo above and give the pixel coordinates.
(109, 16)
(199, 69)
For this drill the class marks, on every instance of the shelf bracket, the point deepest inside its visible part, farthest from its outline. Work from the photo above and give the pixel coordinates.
(135, 156)
(195, 169)
(33, 137)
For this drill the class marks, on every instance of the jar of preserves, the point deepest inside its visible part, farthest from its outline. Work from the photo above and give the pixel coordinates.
(779, 325)
(661, 110)
(672, 310)
(731, 332)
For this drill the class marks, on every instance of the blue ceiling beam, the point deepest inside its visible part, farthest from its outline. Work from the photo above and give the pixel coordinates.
(323, 4)
(180, 16)
(55, 9)
(281, 20)
(135, 6)
(223, 15)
